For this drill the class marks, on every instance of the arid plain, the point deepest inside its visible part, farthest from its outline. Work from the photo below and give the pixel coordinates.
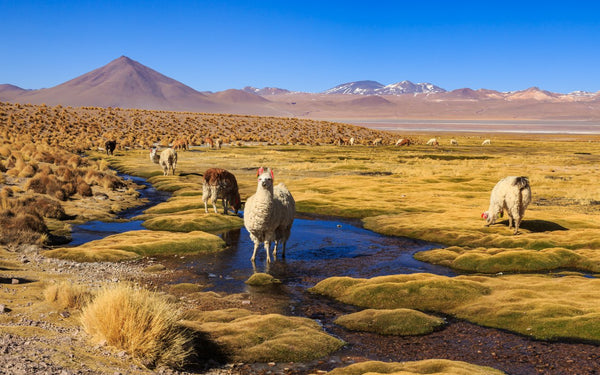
(539, 285)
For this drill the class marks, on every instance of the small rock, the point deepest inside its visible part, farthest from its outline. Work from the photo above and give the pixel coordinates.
(3, 309)
(65, 314)
(15, 281)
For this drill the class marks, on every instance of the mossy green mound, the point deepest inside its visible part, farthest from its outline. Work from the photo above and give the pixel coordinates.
(424, 291)
(428, 366)
(262, 279)
(133, 244)
(177, 204)
(192, 220)
(544, 307)
(250, 337)
(494, 260)
(403, 322)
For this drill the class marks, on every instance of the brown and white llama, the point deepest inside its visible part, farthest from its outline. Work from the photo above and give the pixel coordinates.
(219, 183)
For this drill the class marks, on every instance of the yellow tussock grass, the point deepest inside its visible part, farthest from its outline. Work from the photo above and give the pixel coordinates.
(65, 295)
(139, 322)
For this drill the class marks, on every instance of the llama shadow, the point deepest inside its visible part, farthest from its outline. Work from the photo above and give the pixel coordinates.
(540, 226)
(207, 353)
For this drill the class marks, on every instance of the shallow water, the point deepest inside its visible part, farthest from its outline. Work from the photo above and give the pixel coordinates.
(317, 249)
(95, 230)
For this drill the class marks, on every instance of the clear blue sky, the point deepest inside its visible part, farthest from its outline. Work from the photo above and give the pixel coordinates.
(308, 45)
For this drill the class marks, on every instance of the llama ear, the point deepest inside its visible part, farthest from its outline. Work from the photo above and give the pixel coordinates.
(272, 176)
(484, 215)
(260, 171)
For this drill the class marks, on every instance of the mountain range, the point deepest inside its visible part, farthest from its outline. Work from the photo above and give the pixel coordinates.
(126, 83)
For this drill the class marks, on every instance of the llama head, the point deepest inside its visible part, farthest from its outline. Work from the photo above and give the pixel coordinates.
(265, 177)
(236, 203)
(153, 156)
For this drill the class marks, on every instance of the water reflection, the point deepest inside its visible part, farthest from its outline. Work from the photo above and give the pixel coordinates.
(317, 249)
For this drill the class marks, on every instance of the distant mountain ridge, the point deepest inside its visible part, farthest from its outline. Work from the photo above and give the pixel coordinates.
(126, 83)
(376, 88)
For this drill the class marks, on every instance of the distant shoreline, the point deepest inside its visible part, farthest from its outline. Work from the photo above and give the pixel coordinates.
(481, 126)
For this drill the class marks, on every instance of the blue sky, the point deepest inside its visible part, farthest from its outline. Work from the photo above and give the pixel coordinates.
(308, 45)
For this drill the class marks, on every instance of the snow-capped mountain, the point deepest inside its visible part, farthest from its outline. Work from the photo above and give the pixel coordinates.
(407, 87)
(265, 90)
(356, 88)
(376, 88)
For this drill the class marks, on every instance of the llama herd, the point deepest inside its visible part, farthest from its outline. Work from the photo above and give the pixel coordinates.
(269, 212)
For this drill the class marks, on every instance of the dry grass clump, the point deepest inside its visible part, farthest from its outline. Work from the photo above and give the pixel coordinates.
(139, 322)
(250, 337)
(403, 322)
(428, 366)
(22, 228)
(66, 295)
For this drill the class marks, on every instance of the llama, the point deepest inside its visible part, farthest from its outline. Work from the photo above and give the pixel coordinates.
(110, 147)
(403, 142)
(286, 203)
(378, 142)
(454, 142)
(209, 142)
(351, 141)
(512, 194)
(219, 183)
(486, 142)
(433, 142)
(167, 159)
(218, 143)
(265, 215)
(181, 144)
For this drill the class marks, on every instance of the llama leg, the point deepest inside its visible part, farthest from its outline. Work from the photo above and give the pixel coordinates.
(213, 192)
(205, 196)
(267, 246)
(256, 243)
(275, 249)
(225, 205)
(517, 224)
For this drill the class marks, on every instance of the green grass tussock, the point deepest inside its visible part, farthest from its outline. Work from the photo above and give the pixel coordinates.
(133, 244)
(265, 338)
(544, 307)
(262, 279)
(494, 260)
(192, 220)
(417, 291)
(404, 322)
(428, 366)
